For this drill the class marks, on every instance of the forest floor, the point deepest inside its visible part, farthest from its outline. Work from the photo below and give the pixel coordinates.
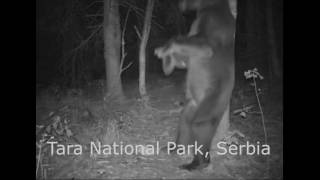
(83, 117)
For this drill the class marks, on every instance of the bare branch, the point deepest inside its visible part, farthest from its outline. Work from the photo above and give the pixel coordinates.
(94, 15)
(137, 31)
(125, 25)
(140, 13)
(123, 54)
(84, 42)
(126, 67)
(93, 26)
(136, 9)
(94, 2)
(158, 25)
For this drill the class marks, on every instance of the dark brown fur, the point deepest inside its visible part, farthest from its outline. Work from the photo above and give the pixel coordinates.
(208, 55)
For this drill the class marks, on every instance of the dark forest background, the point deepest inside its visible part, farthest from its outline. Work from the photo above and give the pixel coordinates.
(63, 26)
(75, 41)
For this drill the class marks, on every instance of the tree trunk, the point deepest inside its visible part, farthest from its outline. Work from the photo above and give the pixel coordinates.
(142, 50)
(111, 27)
(273, 58)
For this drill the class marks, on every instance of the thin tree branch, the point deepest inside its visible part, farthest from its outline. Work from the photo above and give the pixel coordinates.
(137, 31)
(140, 13)
(123, 54)
(84, 42)
(126, 67)
(94, 2)
(94, 15)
